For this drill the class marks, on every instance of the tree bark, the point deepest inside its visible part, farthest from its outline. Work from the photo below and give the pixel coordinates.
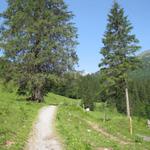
(37, 95)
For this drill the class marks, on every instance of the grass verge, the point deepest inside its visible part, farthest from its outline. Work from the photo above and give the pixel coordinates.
(78, 135)
(17, 116)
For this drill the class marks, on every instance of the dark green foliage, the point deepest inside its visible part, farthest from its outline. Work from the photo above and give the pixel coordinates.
(139, 85)
(86, 92)
(74, 85)
(89, 90)
(118, 57)
(68, 85)
(39, 40)
(139, 90)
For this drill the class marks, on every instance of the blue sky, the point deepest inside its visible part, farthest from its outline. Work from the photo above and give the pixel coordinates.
(91, 19)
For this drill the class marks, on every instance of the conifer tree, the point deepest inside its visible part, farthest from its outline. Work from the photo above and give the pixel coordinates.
(39, 40)
(118, 53)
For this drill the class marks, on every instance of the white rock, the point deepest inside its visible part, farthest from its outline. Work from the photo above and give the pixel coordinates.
(87, 109)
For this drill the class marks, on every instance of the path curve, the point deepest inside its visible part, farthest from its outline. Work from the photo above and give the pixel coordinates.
(43, 136)
(105, 133)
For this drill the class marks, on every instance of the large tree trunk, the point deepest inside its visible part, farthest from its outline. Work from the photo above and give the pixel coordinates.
(37, 95)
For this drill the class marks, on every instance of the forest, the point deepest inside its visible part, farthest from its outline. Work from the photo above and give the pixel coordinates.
(88, 87)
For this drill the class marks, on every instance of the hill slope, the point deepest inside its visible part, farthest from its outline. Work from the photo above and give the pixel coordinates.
(145, 54)
(16, 118)
(18, 115)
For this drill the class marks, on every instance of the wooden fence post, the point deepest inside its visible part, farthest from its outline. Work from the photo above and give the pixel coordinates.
(128, 111)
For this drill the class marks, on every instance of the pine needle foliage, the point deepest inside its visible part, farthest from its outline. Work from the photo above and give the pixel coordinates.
(118, 52)
(38, 39)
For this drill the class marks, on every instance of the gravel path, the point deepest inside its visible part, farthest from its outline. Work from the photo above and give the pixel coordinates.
(43, 136)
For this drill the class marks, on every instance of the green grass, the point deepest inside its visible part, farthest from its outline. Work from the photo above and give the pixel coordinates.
(54, 99)
(78, 135)
(118, 123)
(17, 117)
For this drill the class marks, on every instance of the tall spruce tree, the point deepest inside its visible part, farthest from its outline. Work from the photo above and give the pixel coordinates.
(39, 41)
(119, 57)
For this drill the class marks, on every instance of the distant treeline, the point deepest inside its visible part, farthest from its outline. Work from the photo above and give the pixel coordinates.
(139, 89)
(89, 89)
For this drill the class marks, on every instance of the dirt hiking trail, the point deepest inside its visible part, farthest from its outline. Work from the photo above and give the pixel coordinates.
(43, 136)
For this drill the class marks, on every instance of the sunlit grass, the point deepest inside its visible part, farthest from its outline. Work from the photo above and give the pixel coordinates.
(17, 117)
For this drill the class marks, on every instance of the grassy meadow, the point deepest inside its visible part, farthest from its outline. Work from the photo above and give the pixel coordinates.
(18, 115)
(16, 119)
(78, 135)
